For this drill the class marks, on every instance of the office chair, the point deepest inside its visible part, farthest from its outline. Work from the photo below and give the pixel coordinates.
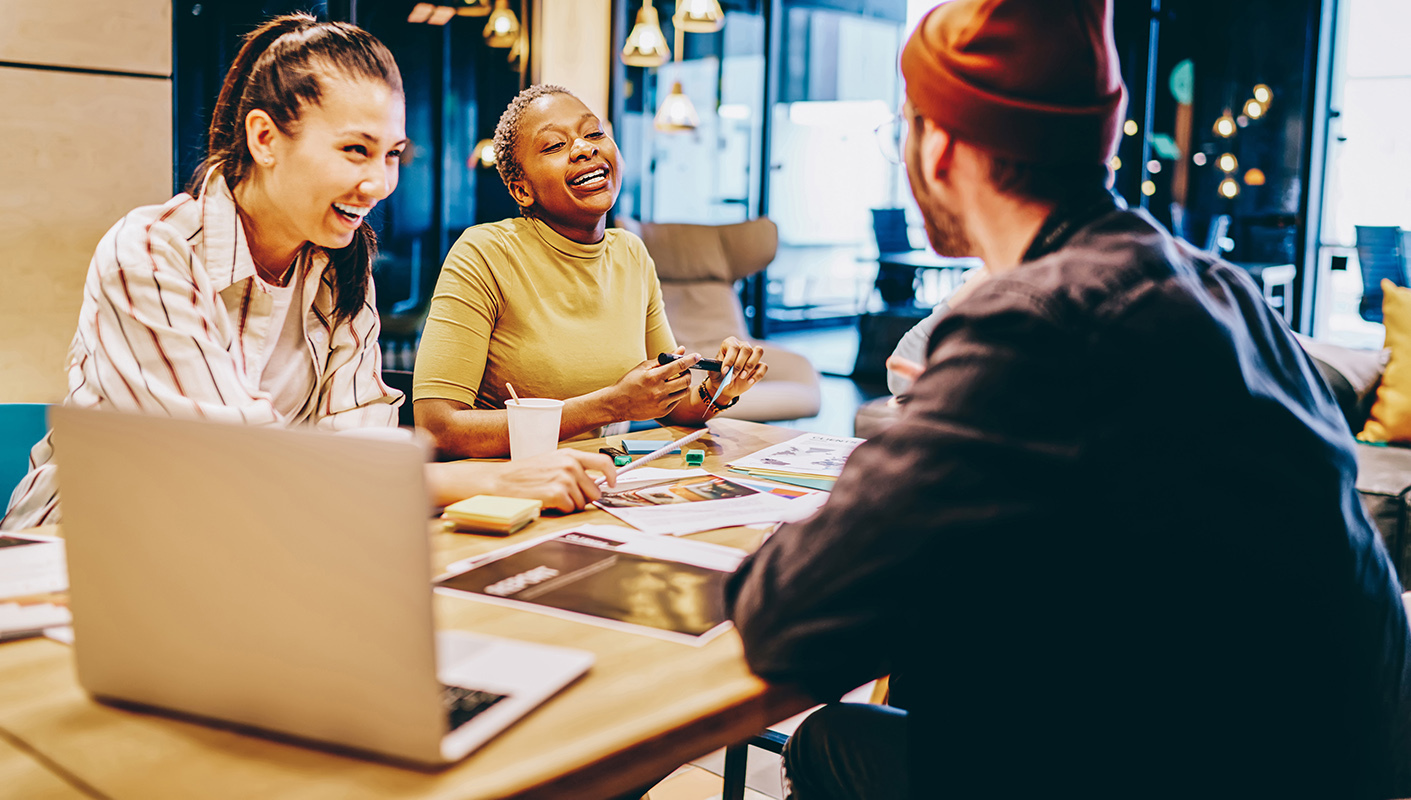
(897, 284)
(1381, 254)
(22, 425)
(736, 756)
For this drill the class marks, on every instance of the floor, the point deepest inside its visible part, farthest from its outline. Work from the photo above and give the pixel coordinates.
(700, 779)
(832, 351)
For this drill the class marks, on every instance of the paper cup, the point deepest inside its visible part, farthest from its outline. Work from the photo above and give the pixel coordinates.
(534, 426)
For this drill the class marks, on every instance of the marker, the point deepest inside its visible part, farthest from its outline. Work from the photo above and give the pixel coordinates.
(707, 364)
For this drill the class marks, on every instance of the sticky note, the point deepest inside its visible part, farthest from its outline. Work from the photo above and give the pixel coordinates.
(640, 446)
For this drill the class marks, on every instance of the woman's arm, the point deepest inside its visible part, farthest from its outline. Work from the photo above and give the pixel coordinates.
(748, 370)
(153, 336)
(648, 391)
(559, 480)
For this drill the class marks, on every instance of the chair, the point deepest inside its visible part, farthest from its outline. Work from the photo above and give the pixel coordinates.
(896, 284)
(698, 266)
(21, 426)
(1381, 254)
(737, 756)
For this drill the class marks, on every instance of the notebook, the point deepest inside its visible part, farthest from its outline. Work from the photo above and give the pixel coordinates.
(278, 580)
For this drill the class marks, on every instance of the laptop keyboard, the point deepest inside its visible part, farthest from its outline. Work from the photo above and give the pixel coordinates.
(463, 705)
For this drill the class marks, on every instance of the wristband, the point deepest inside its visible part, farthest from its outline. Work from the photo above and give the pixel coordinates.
(717, 407)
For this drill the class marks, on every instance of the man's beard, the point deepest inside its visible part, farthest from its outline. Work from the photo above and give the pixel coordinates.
(947, 233)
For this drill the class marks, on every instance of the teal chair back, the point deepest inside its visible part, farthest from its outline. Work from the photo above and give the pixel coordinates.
(21, 426)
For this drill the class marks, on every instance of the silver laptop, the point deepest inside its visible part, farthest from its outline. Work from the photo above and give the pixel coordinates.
(278, 579)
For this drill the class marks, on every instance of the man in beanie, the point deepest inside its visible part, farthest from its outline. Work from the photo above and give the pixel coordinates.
(1111, 547)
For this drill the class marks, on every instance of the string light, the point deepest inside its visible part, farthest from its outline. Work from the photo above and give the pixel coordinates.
(1225, 125)
(1263, 93)
(1228, 162)
(1148, 188)
(1254, 177)
(1130, 127)
(1229, 187)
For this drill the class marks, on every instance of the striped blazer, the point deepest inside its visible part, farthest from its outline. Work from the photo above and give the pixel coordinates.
(175, 322)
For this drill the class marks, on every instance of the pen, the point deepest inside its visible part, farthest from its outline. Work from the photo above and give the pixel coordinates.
(707, 364)
(659, 452)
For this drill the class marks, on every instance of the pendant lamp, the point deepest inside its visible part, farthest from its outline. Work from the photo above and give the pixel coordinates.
(502, 28)
(646, 45)
(698, 16)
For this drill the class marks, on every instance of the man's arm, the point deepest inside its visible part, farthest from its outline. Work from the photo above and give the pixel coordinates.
(927, 506)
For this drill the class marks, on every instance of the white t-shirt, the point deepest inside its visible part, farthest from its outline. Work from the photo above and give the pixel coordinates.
(288, 373)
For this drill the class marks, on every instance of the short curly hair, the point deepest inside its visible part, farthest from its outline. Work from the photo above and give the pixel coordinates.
(507, 130)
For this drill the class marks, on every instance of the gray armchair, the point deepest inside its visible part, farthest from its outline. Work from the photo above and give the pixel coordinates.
(698, 266)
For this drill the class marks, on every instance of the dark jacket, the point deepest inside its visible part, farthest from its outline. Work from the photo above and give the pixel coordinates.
(1111, 548)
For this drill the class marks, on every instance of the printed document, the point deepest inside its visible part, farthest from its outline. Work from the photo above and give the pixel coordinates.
(609, 576)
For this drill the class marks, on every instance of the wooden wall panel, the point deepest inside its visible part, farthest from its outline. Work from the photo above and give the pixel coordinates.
(82, 150)
(121, 35)
(573, 48)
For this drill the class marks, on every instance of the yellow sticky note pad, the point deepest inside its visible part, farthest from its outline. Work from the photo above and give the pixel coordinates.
(490, 513)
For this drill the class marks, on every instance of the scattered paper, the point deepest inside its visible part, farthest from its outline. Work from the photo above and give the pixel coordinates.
(702, 503)
(31, 564)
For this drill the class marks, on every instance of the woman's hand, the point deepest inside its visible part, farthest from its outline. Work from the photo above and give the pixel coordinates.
(650, 390)
(559, 479)
(745, 358)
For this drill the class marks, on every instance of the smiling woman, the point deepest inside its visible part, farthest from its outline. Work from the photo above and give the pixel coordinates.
(556, 303)
(247, 300)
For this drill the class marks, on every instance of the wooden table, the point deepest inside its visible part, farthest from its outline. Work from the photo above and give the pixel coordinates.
(646, 706)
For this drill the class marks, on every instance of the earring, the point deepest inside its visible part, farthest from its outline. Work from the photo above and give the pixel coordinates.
(269, 161)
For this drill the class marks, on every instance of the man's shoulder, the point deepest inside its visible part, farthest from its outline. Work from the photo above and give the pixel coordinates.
(1120, 260)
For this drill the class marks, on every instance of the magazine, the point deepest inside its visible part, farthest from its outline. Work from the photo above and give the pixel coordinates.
(611, 576)
(810, 454)
(705, 502)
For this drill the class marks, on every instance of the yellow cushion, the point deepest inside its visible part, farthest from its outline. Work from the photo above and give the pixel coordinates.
(1390, 420)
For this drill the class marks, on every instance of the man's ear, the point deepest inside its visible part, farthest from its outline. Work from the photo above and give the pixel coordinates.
(521, 193)
(260, 134)
(937, 150)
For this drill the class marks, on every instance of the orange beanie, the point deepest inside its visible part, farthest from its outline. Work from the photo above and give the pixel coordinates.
(1036, 81)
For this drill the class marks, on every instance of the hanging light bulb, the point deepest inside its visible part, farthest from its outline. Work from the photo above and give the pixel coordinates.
(1263, 93)
(1225, 125)
(485, 152)
(1254, 177)
(676, 113)
(698, 16)
(502, 28)
(1228, 162)
(1254, 109)
(646, 45)
(1229, 187)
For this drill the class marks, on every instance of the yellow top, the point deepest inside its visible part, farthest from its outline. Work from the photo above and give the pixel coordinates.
(518, 302)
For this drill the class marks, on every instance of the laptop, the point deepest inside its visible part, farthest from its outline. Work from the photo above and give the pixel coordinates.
(278, 580)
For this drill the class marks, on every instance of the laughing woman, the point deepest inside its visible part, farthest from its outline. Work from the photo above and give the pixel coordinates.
(248, 300)
(555, 302)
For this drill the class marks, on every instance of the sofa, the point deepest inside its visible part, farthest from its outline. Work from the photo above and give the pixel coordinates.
(1383, 471)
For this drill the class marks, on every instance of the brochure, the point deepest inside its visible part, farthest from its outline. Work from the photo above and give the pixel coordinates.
(811, 454)
(610, 576)
(705, 502)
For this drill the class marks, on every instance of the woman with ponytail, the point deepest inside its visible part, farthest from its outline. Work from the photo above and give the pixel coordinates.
(248, 299)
